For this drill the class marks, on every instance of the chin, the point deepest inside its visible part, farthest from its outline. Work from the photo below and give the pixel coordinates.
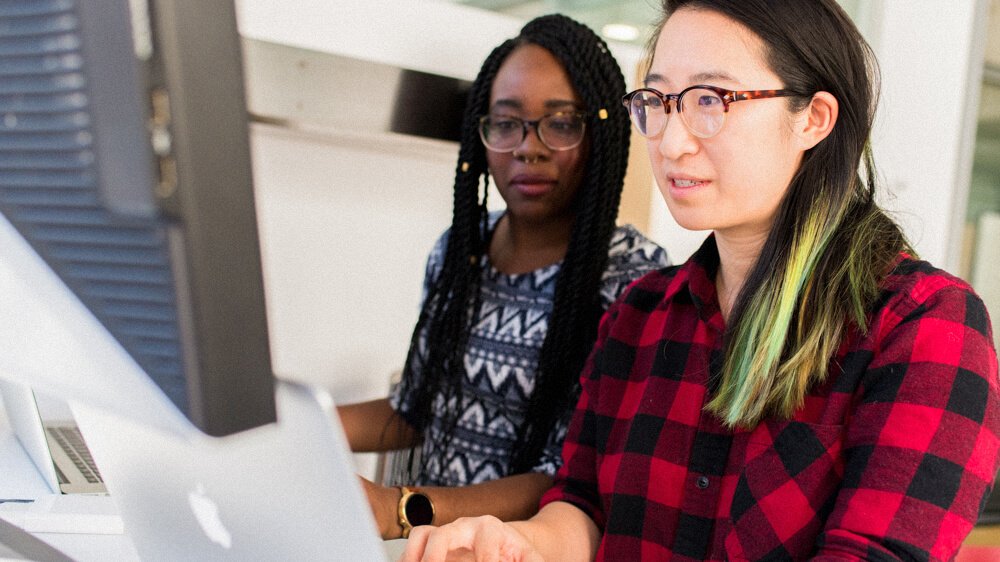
(690, 219)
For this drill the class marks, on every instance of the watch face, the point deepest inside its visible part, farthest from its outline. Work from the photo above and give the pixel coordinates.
(419, 510)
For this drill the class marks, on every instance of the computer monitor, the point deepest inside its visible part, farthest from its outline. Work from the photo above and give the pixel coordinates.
(125, 166)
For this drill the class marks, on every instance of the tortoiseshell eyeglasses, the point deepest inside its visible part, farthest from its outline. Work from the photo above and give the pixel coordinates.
(704, 117)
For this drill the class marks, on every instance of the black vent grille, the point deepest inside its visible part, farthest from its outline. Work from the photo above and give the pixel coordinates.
(118, 266)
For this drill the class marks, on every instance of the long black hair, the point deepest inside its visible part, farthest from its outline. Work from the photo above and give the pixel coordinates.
(440, 338)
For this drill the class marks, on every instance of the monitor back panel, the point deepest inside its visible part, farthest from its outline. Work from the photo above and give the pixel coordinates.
(125, 164)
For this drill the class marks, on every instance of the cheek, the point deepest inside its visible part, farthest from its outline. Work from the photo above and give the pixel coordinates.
(763, 183)
(656, 160)
(497, 162)
(573, 164)
(777, 156)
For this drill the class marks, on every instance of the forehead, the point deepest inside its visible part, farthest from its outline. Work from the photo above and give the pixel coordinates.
(699, 46)
(533, 75)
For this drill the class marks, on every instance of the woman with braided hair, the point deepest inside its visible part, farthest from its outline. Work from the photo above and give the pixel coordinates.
(512, 299)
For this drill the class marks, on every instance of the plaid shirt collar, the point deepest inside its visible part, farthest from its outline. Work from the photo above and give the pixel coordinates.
(696, 276)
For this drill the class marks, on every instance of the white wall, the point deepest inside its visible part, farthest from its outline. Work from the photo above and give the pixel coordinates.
(346, 222)
(931, 59)
(345, 230)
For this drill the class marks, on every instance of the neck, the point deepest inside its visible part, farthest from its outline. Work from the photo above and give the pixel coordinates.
(520, 246)
(737, 256)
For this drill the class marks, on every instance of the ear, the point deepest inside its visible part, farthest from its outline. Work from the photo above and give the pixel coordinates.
(816, 121)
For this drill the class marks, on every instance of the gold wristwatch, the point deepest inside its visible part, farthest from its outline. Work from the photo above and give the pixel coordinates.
(415, 509)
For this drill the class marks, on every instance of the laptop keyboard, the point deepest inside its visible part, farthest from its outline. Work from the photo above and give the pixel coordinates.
(71, 441)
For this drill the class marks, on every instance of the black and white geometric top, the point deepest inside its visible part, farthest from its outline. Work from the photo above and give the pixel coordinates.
(501, 359)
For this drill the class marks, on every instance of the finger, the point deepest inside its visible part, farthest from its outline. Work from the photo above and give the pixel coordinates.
(414, 551)
(454, 537)
(507, 544)
(489, 537)
(461, 555)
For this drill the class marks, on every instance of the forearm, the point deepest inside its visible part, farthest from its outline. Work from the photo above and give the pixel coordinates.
(374, 426)
(561, 532)
(508, 499)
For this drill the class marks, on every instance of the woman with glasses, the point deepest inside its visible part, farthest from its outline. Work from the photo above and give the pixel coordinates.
(803, 387)
(512, 299)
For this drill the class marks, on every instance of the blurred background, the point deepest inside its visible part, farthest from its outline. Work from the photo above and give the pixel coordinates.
(354, 146)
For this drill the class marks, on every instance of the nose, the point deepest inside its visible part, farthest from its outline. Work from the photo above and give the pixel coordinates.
(676, 140)
(531, 149)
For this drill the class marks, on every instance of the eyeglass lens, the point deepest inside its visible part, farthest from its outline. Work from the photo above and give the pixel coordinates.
(703, 111)
(559, 131)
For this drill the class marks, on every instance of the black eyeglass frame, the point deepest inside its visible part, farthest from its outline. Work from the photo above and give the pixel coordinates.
(727, 96)
(582, 115)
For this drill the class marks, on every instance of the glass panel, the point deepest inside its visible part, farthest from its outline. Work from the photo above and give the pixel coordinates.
(980, 263)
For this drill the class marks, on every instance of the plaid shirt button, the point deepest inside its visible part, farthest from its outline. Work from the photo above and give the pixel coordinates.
(702, 482)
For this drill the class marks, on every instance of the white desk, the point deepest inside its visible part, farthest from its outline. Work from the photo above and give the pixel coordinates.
(22, 481)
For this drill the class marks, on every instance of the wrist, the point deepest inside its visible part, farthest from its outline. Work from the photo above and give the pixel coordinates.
(390, 522)
(383, 502)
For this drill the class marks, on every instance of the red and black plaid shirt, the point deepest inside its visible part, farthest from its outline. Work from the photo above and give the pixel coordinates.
(890, 458)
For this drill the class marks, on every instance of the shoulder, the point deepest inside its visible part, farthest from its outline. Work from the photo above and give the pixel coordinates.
(915, 289)
(629, 246)
(437, 252)
(657, 286)
(435, 259)
(649, 293)
(930, 328)
(630, 256)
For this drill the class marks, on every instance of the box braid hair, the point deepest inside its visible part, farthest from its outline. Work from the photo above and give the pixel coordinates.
(452, 302)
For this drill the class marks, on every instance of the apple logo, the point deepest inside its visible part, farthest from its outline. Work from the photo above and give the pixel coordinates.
(207, 513)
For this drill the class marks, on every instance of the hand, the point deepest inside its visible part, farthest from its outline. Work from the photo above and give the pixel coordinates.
(473, 539)
(384, 502)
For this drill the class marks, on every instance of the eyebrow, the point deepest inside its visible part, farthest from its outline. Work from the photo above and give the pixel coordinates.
(700, 78)
(515, 104)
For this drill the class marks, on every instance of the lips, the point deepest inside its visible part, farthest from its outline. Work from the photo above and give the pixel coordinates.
(683, 185)
(532, 184)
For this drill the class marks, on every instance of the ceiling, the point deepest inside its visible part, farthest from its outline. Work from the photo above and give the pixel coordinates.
(639, 14)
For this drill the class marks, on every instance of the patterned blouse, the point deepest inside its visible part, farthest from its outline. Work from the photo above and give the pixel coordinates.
(501, 357)
(890, 458)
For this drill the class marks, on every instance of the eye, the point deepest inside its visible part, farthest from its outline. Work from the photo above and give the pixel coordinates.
(505, 124)
(709, 101)
(562, 125)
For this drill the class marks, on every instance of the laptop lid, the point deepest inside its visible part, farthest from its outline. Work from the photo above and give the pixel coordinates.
(63, 466)
(19, 401)
(283, 491)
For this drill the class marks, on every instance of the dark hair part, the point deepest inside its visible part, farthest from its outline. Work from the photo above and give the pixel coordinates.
(831, 245)
(440, 338)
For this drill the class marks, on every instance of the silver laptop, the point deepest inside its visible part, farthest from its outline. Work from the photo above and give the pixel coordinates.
(55, 446)
(284, 491)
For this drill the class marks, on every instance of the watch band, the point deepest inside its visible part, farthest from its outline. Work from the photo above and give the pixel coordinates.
(415, 508)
